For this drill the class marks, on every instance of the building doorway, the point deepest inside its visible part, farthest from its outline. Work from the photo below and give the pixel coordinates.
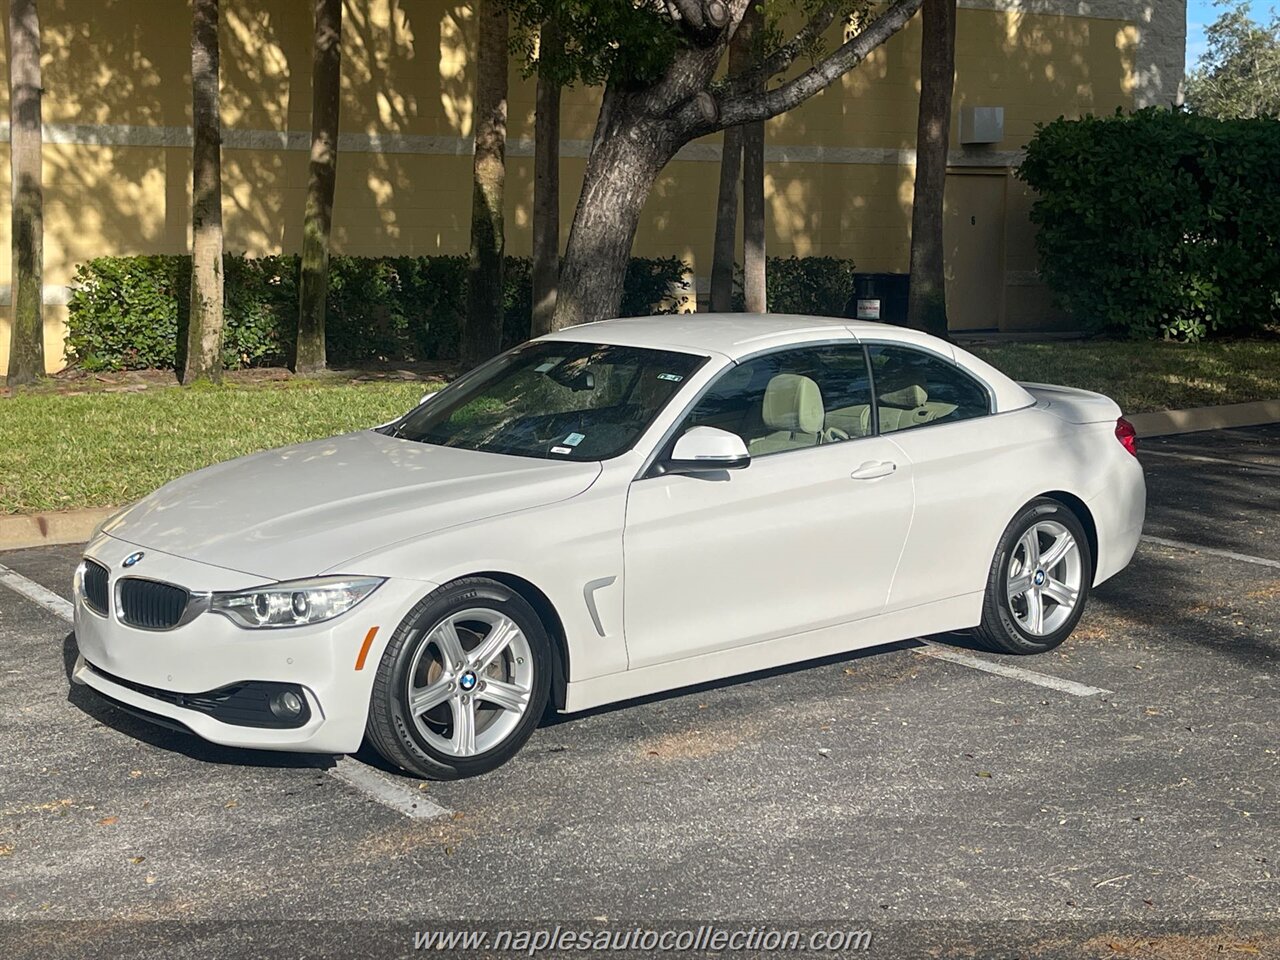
(973, 232)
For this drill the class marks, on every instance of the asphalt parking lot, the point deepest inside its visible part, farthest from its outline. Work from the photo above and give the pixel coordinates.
(1117, 798)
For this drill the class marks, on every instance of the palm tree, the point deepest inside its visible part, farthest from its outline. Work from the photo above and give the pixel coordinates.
(722, 258)
(927, 300)
(326, 74)
(204, 334)
(482, 330)
(26, 343)
(753, 252)
(546, 188)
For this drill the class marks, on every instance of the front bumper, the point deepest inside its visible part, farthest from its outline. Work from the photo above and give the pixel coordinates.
(169, 675)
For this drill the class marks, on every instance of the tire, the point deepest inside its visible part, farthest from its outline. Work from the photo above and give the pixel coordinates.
(1018, 593)
(467, 718)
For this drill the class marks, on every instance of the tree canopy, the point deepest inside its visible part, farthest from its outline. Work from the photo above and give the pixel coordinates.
(634, 43)
(1239, 74)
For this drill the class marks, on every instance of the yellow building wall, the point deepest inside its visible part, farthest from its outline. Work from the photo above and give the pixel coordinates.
(839, 173)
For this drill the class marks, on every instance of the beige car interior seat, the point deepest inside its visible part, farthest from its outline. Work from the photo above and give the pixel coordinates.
(910, 407)
(793, 412)
(853, 421)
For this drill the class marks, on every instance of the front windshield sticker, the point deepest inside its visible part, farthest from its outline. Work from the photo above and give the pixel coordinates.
(573, 439)
(673, 377)
(547, 365)
(562, 450)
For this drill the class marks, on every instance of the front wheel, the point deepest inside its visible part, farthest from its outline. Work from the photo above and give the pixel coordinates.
(1038, 583)
(463, 682)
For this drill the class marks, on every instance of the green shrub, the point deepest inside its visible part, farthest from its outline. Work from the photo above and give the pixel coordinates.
(130, 313)
(809, 286)
(1160, 223)
(654, 286)
(123, 312)
(820, 286)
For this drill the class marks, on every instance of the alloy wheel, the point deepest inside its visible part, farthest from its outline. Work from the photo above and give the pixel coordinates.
(1044, 577)
(470, 682)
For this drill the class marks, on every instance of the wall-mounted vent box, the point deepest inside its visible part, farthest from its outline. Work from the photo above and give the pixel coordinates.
(981, 124)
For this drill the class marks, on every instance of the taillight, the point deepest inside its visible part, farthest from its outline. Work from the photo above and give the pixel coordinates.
(1127, 436)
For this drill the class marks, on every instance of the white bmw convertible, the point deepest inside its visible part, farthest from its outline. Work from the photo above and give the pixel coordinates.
(614, 510)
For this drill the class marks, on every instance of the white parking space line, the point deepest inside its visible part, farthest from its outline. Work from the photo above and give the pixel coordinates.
(377, 786)
(1213, 551)
(373, 784)
(1004, 670)
(33, 591)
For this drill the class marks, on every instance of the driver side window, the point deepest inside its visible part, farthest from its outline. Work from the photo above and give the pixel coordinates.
(791, 400)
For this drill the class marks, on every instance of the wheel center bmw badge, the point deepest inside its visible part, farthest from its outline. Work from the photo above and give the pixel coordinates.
(1039, 578)
(467, 680)
(132, 559)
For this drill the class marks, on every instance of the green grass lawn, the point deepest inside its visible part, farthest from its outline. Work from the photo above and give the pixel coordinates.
(1146, 376)
(60, 451)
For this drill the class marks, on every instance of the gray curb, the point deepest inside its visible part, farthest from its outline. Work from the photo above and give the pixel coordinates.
(76, 526)
(46, 529)
(1165, 423)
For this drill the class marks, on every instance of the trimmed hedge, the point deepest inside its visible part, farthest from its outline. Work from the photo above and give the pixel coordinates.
(1160, 223)
(818, 286)
(130, 313)
(813, 286)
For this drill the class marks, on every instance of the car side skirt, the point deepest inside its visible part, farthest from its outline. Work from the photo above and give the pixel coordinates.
(954, 613)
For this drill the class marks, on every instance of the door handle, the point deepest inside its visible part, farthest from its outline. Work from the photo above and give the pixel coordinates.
(874, 469)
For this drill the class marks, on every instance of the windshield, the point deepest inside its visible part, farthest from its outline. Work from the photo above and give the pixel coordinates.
(557, 400)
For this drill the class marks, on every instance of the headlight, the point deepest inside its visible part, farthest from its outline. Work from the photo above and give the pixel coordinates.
(295, 603)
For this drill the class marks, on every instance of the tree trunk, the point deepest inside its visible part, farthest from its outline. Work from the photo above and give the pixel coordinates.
(204, 333)
(546, 192)
(482, 329)
(753, 253)
(722, 257)
(313, 288)
(641, 129)
(26, 338)
(626, 157)
(927, 302)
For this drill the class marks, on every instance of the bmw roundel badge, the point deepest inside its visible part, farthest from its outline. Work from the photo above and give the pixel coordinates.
(132, 558)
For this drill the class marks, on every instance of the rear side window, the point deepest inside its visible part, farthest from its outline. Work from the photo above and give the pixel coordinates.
(914, 388)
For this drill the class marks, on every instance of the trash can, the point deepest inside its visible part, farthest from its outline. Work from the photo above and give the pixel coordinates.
(879, 296)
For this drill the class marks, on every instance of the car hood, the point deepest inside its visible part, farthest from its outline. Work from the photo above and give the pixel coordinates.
(306, 509)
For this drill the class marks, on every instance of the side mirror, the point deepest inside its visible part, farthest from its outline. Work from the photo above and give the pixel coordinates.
(708, 450)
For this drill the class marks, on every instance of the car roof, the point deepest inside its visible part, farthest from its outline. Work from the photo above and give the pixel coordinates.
(733, 335)
(737, 335)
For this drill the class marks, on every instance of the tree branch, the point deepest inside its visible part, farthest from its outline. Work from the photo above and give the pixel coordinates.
(749, 80)
(748, 108)
(690, 11)
(699, 14)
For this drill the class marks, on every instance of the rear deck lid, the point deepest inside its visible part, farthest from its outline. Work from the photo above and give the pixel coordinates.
(1073, 405)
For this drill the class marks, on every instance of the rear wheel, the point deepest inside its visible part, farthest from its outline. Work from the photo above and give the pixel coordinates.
(1039, 581)
(463, 682)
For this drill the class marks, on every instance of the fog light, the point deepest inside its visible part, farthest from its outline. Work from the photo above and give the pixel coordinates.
(286, 705)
